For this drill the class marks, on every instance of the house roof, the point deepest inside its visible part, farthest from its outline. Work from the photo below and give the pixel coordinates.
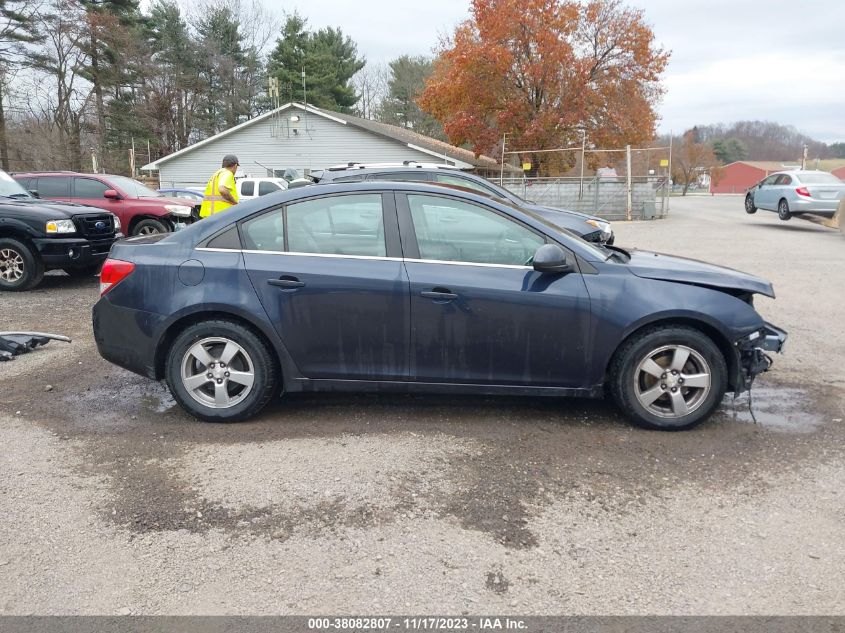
(768, 165)
(463, 158)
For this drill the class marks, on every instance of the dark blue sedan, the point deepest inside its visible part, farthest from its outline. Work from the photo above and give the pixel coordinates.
(413, 287)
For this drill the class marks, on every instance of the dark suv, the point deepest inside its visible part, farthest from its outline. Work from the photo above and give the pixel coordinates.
(588, 227)
(142, 211)
(39, 235)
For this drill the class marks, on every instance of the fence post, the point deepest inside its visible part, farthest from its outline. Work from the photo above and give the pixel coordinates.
(628, 181)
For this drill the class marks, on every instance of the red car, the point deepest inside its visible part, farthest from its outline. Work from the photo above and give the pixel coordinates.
(142, 211)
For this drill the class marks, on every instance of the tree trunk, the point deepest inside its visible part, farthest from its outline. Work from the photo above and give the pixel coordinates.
(97, 81)
(4, 143)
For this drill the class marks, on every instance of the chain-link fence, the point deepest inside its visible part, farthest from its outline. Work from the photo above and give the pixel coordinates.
(617, 184)
(604, 197)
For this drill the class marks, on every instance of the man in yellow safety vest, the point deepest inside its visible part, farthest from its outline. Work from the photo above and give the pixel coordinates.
(220, 192)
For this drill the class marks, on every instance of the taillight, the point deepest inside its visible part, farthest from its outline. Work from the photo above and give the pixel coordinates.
(114, 271)
(802, 191)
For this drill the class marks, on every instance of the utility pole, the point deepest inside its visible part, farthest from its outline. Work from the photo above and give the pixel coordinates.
(583, 156)
(629, 182)
(669, 175)
(804, 158)
(502, 172)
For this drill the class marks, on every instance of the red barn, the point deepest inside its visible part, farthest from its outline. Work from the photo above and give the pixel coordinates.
(839, 173)
(739, 176)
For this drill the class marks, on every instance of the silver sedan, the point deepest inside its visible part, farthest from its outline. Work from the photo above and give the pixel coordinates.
(790, 192)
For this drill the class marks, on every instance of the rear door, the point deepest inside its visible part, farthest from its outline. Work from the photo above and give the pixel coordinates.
(480, 314)
(329, 273)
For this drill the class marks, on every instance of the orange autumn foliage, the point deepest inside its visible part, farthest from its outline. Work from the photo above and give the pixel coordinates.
(539, 70)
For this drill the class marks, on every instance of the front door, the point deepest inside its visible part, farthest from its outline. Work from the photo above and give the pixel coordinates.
(480, 314)
(329, 275)
(764, 198)
(90, 192)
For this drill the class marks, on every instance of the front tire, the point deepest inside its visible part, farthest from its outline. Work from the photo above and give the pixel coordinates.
(783, 210)
(750, 209)
(668, 378)
(150, 226)
(20, 266)
(221, 371)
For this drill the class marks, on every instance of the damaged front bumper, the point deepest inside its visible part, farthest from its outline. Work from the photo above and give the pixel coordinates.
(753, 357)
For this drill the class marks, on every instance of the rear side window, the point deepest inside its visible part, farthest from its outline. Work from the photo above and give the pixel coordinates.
(266, 187)
(54, 187)
(248, 188)
(265, 232)
(337, 225)
(88, 188)
(355, 178)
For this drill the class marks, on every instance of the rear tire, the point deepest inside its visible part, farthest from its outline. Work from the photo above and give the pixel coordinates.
(150, 226)
(750, 209)
(668, 378)
(221, 371)
(783, 210)
(20, 266)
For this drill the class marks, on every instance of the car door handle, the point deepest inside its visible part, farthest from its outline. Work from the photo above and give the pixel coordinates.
(286, 282)
(439, 294)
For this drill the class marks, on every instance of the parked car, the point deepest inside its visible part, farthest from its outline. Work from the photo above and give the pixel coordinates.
(195, 196)
(791, 192)
(590, 228)
(142, 211)
(39, 235)
(249, 187)
(415, 287)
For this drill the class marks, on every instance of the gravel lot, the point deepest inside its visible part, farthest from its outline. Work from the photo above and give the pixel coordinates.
(115, 502)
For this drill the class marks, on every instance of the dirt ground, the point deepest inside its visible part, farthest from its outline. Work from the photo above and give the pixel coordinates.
(114, 502)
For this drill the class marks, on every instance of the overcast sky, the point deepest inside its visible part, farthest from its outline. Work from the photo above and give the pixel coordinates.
(731, 59)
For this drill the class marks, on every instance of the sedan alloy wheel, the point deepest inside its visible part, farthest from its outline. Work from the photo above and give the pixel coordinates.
(217, 372)
(672, 381)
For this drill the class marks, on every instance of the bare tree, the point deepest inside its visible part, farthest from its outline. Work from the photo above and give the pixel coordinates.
(371, 83)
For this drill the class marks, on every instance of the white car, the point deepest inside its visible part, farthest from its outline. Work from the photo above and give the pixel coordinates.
(249, 187)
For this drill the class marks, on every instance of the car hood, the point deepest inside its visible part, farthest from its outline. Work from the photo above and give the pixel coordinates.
(48, 209)
(539, 208)
(168, 199)
(690, 271)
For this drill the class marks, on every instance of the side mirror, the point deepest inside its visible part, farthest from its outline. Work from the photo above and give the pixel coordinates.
(111, 194)
(34, 193)
(551, 258)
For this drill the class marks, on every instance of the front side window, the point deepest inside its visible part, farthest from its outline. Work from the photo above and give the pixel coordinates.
(783, 179)
(54, 186)
(337, 225)
(457, 231)
(88, 188)
(770, 180)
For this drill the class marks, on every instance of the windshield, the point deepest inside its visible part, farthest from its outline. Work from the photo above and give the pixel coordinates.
(10, 188)
(819, 179)
(133, 188)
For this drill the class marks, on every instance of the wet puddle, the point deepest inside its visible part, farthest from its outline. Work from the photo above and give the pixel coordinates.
(785, 409)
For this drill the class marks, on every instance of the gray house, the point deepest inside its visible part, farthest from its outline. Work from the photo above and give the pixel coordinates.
(305, 139)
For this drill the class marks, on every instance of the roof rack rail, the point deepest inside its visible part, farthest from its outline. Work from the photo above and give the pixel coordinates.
(404, 163)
